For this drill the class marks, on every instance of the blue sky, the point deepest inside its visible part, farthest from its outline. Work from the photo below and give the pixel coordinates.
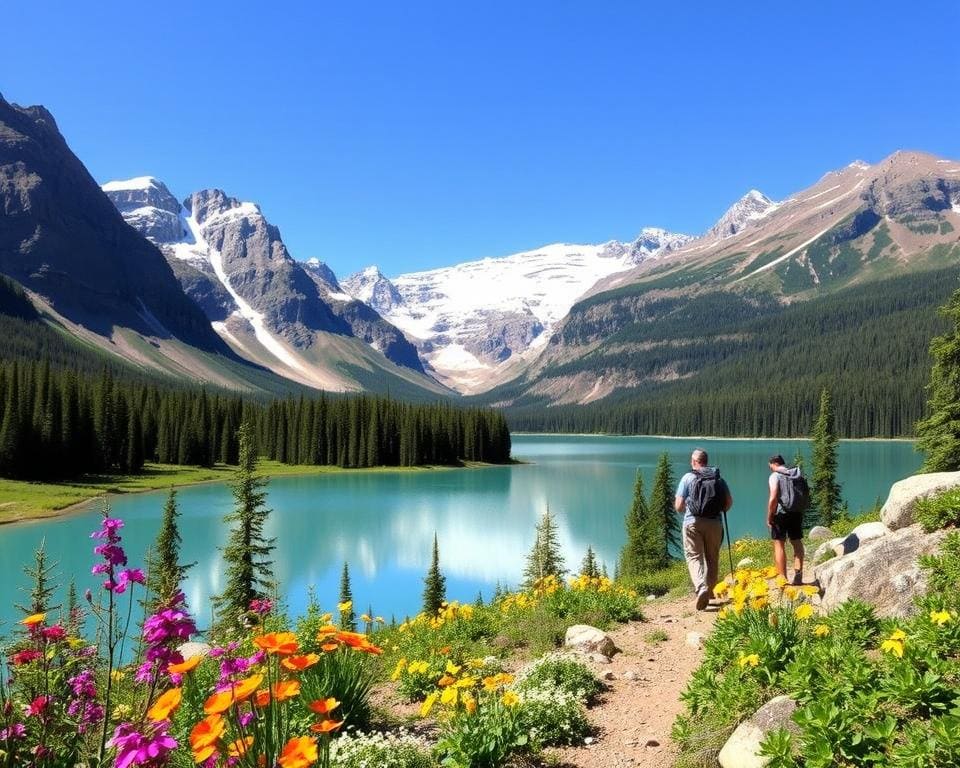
(415, 135)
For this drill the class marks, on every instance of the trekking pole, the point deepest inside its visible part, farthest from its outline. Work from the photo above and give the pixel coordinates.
(726, 527)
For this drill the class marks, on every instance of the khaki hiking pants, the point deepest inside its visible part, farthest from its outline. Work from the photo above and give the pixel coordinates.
(701, 548)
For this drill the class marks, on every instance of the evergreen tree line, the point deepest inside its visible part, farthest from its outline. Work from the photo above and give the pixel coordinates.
(57, 424)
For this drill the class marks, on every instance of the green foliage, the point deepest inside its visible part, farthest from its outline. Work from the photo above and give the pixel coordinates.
(943, 572)
(939, 433)
(434, 583)
(42, 575)
(248, 573)
(939, 511)
(655, 636)
(645, 548)
(589, 565)
(381, 750)
(482, 740)
(165, 572)
(552, 717)
(825, 491)
(545, 558)
(348, 617)
(563, 673)
(661, 506)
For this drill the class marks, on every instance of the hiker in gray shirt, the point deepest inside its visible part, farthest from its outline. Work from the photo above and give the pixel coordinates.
(703, 497)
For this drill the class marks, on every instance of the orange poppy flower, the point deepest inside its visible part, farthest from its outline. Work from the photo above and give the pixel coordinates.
(262, 698)
(328, 647)
(219, 702)
(283, 643)
(286, 689)
(299, 663)
(299, 752)
(205, 735)
(245, 688)
(184, 666)
(324, 706)
(353, 639)
(165, 704)
(326, 726)
(240, 747)
(33, 619)
(446, 680)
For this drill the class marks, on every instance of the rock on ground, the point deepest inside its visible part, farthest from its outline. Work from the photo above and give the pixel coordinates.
(820, 533)
(882, 572)
(742, 749)
(589, 640)
(860, 536)
(898, 509)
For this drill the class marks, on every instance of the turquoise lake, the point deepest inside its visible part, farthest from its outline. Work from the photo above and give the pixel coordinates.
(382, 523)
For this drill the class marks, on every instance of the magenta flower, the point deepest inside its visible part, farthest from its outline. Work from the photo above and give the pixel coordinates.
(150, 749)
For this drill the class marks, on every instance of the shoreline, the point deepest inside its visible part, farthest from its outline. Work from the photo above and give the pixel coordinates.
(82, 506)
(713, 437)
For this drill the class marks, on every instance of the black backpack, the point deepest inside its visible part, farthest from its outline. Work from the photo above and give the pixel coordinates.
(794, 491)
(707, 493)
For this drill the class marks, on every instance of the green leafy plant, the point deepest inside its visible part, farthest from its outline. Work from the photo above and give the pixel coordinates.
(484, 739)
(561, 672)
(552, 717)
(939, 511)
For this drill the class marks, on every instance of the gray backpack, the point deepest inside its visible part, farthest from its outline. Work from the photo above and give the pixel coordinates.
(794, 490)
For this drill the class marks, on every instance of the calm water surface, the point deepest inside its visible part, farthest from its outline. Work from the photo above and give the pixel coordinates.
(383, 523)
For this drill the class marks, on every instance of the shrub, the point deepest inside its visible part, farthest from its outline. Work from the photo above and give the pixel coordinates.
(552, 717)
(939, 511)
(381, 750)
(563, 673)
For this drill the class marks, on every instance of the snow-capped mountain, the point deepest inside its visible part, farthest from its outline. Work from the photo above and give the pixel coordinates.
(478, 322)
(746, 212)
(290, 317)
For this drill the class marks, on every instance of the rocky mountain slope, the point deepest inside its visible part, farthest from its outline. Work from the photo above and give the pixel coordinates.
(646, 329)
(290, 317)
(478, 323)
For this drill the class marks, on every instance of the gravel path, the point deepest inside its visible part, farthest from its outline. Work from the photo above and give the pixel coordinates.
(634, 718)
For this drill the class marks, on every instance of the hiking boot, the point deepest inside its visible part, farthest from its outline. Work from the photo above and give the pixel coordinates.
(703, 599)
(797, 579)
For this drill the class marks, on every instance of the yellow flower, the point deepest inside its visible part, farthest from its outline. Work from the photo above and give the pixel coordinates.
(809, 590)
(940, 617)
(720, 589)
(466, 682)
(510, 699)
(379, 619)
(894, 644)
(428, 703)
(781, 581)
(33, 620)
(344, 607)
(751, 659)
(117, 675)
(758, 602)
(898, 634)
(366, 618)
(326, 618)
(821, 630)
(791, 592)
(452, 668)
(804, 611)
(398, 670)
(469, 703)
(449, 696)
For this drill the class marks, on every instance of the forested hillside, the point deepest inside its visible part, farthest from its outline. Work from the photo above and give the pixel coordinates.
(745, 365)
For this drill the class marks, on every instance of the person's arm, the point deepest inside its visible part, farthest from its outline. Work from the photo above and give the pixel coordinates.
(679, 503)
(680, 498)
(728, 502)
(772, 501)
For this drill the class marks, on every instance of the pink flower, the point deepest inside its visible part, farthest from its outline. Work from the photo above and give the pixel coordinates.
(150, 748)
(56, 632)
(25, 657)
(37, 707)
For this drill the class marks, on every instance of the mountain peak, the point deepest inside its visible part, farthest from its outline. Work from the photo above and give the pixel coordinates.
(750, 208)
(373, 288)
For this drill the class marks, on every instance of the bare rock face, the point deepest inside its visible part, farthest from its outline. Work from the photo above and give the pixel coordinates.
(148, 206)
(589, 640)
(882, 572)
(742, 749)
(748, 210)
(820, 533)
(898, 509)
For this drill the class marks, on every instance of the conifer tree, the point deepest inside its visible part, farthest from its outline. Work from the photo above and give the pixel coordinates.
(589, 565)
(938, 435)
(165, 573)
(434, 584)
(348, 617)
(661, 507)
(43, 586)
(545, 558)
(246, 565)
(73, 617)
(825, 491)
(644, 548)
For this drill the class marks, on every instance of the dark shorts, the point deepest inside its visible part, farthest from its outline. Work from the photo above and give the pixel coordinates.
(786, 527)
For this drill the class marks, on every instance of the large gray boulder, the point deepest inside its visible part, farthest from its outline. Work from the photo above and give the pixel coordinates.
(820, 533)
(861, 535)
(589, 640)
(882, 572)
(742, 749)
(898, 509)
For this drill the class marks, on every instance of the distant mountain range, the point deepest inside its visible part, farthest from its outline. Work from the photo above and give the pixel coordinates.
(205, 288)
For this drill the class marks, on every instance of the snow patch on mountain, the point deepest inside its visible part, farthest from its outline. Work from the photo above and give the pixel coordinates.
(476, 320)
(746, 212)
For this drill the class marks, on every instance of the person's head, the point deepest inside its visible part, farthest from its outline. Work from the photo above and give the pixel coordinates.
(776, 461)
(698, 458)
